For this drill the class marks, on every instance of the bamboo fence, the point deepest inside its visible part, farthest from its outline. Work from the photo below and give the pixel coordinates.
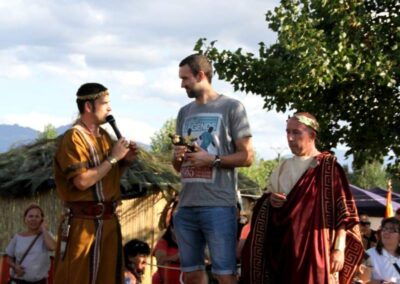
(139, 219)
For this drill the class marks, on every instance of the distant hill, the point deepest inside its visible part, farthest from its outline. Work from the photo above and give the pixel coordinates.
(62, 129)
(16, 135)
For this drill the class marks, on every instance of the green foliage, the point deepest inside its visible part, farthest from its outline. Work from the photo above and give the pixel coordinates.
(260, 171)
(370, 175)
(339, 60)
(160, 142)
(396, 185)
(49, 132)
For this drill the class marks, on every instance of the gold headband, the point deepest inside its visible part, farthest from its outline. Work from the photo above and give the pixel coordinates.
(307, 121)
(92, 96)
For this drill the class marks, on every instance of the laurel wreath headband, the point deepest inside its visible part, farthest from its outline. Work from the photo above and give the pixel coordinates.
(92, 96)
(307, 121)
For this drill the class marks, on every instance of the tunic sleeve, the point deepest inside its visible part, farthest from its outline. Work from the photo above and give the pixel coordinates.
(72, 156)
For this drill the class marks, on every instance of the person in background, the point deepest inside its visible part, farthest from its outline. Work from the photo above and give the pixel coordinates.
(167, 255)
(305, 227)
(242, 239)
(368, 235)
(136, 253)
(385, 257)
(28, 251)
(246, 227)
(242, 220)
(364, 271)
(206, 213)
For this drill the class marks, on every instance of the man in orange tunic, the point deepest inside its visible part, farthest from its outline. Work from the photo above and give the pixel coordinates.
(305, 228)
(88, 168)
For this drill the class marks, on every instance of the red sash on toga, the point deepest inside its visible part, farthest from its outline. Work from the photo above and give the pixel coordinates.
(292, 244)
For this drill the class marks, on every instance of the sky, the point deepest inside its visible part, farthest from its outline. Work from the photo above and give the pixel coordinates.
(49, 48)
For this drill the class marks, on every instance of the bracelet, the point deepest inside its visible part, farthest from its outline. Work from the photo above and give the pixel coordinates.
(340, 243)
(113, 161)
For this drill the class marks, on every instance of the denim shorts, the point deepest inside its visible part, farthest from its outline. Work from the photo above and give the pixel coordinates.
(196, 227)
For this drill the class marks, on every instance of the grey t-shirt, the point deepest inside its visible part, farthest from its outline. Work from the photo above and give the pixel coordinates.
(215, 127)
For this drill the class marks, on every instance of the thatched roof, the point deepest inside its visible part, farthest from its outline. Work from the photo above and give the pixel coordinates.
(148, 173)
(28, 170)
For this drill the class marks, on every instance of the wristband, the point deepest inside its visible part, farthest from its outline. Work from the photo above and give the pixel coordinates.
(217, 162)
(340, 243)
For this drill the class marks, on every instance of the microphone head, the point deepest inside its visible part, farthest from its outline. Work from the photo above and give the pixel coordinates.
(110, 118)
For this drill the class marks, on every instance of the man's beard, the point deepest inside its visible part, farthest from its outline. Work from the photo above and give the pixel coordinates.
(192, 94)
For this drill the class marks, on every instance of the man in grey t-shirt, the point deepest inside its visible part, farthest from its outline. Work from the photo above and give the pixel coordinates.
(207, 203)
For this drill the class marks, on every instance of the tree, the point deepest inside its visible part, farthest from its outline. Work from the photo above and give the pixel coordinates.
(260, 171)
(339, 60)
(49, 132)
(370, 175)
(160, 142)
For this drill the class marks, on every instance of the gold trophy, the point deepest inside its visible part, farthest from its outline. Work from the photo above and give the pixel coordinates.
(182, 141)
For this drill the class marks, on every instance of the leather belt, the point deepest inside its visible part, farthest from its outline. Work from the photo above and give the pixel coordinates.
(91, 209)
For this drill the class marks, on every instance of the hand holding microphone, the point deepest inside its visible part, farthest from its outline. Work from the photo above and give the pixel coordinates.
(130, 146)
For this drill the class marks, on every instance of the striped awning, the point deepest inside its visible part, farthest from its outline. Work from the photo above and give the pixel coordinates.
(373, 201)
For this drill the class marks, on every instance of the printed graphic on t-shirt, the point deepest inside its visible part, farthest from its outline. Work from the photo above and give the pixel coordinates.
(204, 130)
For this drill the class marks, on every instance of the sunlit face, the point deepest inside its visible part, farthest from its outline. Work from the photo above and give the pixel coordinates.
(33, 219)
(189, 82)
(102, 108)
(390, 235)
(139, 262)
(300, 138)
(364, 224)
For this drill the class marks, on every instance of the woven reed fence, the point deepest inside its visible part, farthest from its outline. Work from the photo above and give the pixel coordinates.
(139, 218)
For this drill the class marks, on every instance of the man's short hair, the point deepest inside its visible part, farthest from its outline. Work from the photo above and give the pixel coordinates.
(87, 92)
(198, 62)
(135, 247)
(398, 211)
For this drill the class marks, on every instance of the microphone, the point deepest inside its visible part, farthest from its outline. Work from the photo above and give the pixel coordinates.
(111, 120)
